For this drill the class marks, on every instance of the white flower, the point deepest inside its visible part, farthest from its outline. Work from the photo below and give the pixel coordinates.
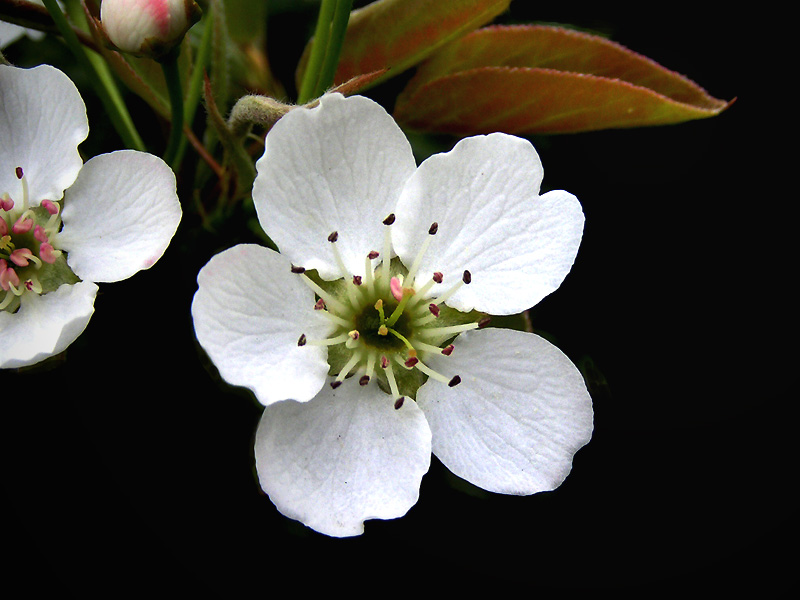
(339, 192)
(149, 27)
(119, 214)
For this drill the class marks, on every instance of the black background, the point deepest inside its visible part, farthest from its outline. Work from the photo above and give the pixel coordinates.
(129, 467)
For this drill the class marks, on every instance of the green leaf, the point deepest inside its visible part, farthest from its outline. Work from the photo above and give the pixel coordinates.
(533, 79)
(394, 35)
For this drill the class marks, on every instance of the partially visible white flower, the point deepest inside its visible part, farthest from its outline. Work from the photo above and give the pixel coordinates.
(384, 278)
(116, 217)
(147, 27)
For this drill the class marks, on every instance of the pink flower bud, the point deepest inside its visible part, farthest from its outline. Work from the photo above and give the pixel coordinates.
(147, 27)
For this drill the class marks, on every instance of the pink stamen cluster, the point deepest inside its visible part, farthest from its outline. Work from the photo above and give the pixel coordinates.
(24, 245)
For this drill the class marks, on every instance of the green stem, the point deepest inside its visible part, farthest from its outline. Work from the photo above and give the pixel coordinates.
(338, 29)
(169, 64)
(116, 109)
(195, 84)
(309, 84)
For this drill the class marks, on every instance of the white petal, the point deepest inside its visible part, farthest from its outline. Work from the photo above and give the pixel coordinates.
(45, 325)
(516, 419)
(337, 167)
(119, 216)
(484, 195)
(42, 121)
(346, 456)
(249, 313)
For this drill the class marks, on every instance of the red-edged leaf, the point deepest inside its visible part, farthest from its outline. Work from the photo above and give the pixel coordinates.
(393, 35)
(538, 79)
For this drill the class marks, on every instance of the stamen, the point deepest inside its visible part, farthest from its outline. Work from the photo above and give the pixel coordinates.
(371, 359)
(339, 339)
(446, 331)
(368, 272)
(429, 348)
(387, 248)
(336, 319)
(48, 253)
(351, 290)
(432, 374)
(348, 366)
(399, 402)
(33, 285)
(329, 300)
(392, 382)
(421, 292)
(7, 300)
(412, 272)
(465, 279)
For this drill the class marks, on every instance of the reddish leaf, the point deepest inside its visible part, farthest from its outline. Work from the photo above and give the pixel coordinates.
(539, 79)
(393, 35)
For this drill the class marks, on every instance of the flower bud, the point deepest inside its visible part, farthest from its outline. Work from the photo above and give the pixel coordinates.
(147, 27)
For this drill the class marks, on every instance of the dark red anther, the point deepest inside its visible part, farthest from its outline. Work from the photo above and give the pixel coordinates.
(399, 402)
(454, 381)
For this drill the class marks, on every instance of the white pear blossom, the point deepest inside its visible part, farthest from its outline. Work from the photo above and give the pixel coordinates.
(116, 217)
(365, 336)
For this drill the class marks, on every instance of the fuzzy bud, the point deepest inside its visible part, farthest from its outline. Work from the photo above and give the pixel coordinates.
(147, 27)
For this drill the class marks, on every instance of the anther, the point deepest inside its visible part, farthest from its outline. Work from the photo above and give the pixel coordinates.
(333, 236)
(434, 310)
(302, 340)
(373, 255)
(399, 402)
(389, 220)
(364, 380)
(19, 173)
(48, 253)
(411, 362)
(384, 362)
(354, 335)
(356, 279)
(433, 229)
(454, 381)
(438, 277)
(335, 384)
(319, 305)
(448, 350)
(484, 322)
(467, 277)
(298, 270)
(50, 206)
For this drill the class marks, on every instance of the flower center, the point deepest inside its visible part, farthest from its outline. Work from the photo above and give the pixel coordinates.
(29, 261)
(386, 324)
